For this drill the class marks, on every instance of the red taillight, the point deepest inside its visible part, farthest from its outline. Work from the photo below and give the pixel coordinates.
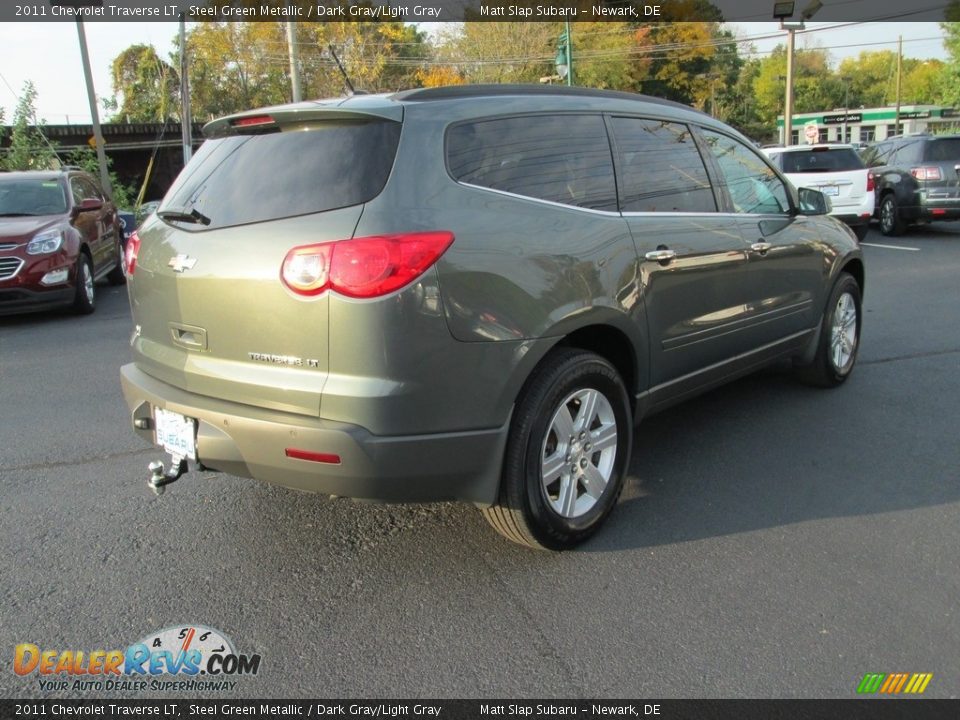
(926, 173)
(130, 253)
(363, 267)
(870, 182)
(252, 121)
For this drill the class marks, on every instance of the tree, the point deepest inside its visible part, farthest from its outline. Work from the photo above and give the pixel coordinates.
(950, 78)
(124, 195)
(148, 86)
(29, 148)
(499, 52)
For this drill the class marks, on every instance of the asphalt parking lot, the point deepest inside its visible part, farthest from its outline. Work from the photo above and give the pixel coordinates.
(773, 540)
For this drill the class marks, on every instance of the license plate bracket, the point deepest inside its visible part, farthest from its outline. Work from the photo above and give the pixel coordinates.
(175, 433)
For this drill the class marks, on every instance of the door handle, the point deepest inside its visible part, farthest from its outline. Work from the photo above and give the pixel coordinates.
(761, 247)
(661, 255)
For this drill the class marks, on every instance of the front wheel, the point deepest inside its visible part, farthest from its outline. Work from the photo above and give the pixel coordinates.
(117, 276)
(567, 452)
(85, 296)
(839, 336)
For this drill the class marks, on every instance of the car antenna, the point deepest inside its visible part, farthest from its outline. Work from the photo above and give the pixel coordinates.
(343, 72)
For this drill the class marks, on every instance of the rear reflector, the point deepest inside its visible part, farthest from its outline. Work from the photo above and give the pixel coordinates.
(366, 267)
(938, 211)
(328, 458)
(252, 121)
(130, 253)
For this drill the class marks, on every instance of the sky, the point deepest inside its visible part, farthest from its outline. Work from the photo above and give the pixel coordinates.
(49, 55)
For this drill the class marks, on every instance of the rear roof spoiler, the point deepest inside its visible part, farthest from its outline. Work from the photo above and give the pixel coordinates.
(357, 108)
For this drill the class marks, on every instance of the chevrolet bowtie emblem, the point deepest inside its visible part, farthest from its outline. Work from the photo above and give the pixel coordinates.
(179, 263)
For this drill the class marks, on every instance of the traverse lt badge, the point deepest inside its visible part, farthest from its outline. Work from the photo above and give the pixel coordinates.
(179, 263)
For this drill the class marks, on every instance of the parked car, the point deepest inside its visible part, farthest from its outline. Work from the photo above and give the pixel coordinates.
(836, 171)
(917, 179)
(477, 308)
(59, 235)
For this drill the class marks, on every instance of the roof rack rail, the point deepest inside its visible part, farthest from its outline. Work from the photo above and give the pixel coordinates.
(451, 92)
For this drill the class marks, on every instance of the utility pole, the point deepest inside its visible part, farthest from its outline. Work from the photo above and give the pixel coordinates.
(788, 102)
(294, 68)
(186, 120)
(569, 54)
(896, 122)
(94, 115)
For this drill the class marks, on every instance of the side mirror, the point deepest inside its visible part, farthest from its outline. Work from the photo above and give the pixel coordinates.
(813, 202)
(86, 206)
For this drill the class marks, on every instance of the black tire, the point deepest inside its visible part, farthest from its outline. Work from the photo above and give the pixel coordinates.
(861, 232)
(891, 224)
(117, 276)
(525, 512)
(85, 296)
(825, 370)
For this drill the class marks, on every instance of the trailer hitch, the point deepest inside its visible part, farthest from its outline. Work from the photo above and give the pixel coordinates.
(160, 479)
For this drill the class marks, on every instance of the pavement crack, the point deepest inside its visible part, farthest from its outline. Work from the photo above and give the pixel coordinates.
(911, 356)
(73, 463)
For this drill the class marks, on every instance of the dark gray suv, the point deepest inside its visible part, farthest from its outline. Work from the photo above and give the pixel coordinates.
(917, 179)
(471, 294)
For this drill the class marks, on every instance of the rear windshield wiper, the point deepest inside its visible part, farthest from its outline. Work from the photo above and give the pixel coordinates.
(14, 214)
(193, 216)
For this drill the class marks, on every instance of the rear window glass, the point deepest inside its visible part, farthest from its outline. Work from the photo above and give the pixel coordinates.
(253, 178)
(943, 150)
(563, 159)
(32, 196)
(812, 161)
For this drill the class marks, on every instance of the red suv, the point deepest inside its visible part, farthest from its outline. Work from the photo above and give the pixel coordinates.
(59, 234)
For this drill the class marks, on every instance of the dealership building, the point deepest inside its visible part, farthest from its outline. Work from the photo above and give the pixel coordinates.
(870, 124)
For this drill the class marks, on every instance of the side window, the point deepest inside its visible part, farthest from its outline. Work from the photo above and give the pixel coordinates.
(752, 185)
(78, 190)
(90, 189)
(564, 159)
(660, 168)
(879, 154)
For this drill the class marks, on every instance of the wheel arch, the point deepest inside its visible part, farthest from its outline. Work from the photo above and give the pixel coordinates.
(854, 266)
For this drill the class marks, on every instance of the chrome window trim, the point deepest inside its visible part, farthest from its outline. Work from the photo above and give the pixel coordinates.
(551, 203)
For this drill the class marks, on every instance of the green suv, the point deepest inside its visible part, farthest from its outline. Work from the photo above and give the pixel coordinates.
(471, 293)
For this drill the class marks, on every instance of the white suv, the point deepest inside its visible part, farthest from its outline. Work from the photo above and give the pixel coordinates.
(836, 171)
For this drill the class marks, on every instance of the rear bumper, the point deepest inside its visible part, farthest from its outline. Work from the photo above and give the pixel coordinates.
(252, 442)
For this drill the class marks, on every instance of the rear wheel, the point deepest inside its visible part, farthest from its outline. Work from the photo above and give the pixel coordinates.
(839, 336)
(567, 453)
(861, 232)
(85, 297)
(891, 223)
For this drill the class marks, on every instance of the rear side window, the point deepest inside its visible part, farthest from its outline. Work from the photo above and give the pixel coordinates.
(907, 153)
(252, 178)
(660, 168)
(943, 150)
(564, 159)
(820, 160)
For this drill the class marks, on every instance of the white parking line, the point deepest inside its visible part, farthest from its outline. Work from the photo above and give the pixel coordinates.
(891, 247)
